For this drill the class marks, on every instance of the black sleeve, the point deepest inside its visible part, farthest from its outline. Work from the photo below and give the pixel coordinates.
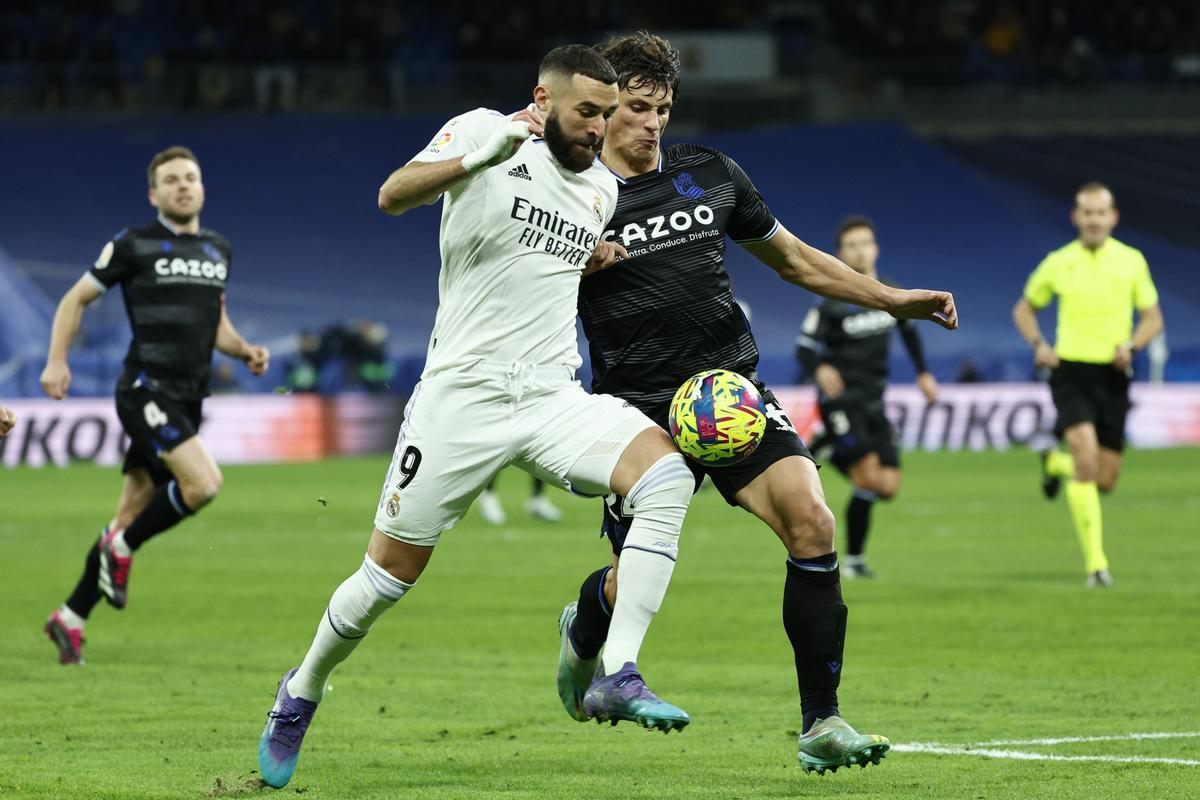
(115, 262)
(912, 343)
(813, 338)
(751, 221)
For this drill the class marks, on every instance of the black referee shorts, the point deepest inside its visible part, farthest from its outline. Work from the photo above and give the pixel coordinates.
(780, 441)
(155, 424)
(856, 430)
(1095, 393)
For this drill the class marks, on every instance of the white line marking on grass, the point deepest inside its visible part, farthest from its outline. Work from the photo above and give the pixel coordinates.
(1125, 737)
(938, 749)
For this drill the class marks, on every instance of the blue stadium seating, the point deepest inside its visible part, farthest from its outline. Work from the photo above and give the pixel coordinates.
(297, 197)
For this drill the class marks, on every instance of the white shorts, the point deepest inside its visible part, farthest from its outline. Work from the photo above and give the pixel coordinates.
(461, 427)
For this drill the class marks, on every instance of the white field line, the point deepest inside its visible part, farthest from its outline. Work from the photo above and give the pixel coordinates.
(988, 749)
(1125, 737)
(937, 749)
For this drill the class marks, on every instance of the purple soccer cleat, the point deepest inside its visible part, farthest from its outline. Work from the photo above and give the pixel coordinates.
(279, 745)
(625, 696)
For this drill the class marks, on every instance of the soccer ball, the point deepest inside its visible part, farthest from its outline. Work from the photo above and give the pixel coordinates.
(717, 418)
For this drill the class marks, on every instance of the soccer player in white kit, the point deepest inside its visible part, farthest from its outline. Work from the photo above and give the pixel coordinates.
(525, 205)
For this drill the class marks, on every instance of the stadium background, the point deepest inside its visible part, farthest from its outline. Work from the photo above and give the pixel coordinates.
(960, 128)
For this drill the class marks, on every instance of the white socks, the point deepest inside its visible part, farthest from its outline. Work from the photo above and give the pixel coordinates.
(356, 604)
(70, 618)
(658, 502)
(119, 547)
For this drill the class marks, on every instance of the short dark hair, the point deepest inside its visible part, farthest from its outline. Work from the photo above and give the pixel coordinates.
(850, 223)
(170, 154)
(1096, 186)
(577, 59)
(641, 60)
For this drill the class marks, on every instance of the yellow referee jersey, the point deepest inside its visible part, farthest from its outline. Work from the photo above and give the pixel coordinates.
(1097, 293)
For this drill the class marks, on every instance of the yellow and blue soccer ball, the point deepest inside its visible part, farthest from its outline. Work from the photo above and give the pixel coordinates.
(717, 418)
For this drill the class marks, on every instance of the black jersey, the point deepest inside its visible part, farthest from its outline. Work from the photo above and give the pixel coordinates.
(855, 341)
(174, 288)
(667, 312)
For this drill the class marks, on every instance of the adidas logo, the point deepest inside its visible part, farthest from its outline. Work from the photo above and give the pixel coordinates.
(520, 171)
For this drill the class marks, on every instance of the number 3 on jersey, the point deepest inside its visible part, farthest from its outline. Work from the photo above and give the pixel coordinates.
(776, 415)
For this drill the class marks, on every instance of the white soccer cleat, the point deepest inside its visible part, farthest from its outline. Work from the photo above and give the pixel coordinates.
(490, 508)
(541, 508)
(1100, 579)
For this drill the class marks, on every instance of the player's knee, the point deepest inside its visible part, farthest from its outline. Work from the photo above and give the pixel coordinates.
(660, 498)
(201, 491)
(812, 529)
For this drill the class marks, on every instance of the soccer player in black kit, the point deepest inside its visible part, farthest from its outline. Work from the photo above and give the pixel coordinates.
(845, 348)
(666, 313)
(172, 274)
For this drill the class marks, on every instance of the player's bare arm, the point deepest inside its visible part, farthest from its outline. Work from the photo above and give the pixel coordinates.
(256, 357)
(1025, 318)
(819, 272)
(1150, 324)
(420, 183)
(56, 377)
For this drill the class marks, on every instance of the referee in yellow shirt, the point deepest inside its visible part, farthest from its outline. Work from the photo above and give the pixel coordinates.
(1099, 282)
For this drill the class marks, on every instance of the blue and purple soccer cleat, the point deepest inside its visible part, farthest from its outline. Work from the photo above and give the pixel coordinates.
(625, 696)
(279, 745)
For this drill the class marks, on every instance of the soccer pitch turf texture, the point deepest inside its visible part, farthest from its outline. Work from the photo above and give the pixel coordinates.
(979, 630)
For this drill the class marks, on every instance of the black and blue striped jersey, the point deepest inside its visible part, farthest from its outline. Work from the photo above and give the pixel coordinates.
(667, 312)
(174, 288)
(855, 340)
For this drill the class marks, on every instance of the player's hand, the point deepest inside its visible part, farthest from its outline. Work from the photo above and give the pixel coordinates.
(503, 142)
(926, 304)
(1044, 355)
(604, 256)
(829, 381)
(56, 377)
(928, 386)
(7, 420)
(1123, 357)
(257, 359)
(530, 114)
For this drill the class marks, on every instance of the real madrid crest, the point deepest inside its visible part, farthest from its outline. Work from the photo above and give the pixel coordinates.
(598, 209)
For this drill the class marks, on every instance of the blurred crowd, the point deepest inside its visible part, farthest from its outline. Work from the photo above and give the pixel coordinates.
(213, 54)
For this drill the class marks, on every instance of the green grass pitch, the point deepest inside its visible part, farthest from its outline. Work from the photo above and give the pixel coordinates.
(978, 630)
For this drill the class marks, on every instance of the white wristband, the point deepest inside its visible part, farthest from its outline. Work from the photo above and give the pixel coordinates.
(497, 148)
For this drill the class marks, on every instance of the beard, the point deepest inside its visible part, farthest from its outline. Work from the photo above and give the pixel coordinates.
(178, 217)
(575, 155)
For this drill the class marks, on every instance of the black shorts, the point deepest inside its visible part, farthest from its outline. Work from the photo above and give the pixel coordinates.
(780, 441)
(156, 424)
(1095, 393)
(854, 430)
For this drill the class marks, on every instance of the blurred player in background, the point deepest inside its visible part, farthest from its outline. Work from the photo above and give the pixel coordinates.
(538, 506)
(667, 313)
(1099, 282)
(521, 222)
(172, 274)
(845, 348)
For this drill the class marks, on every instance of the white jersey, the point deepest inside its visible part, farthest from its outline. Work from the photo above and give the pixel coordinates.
(514, 241)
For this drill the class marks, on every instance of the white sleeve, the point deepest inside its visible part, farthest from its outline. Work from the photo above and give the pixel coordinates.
(461, 135)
